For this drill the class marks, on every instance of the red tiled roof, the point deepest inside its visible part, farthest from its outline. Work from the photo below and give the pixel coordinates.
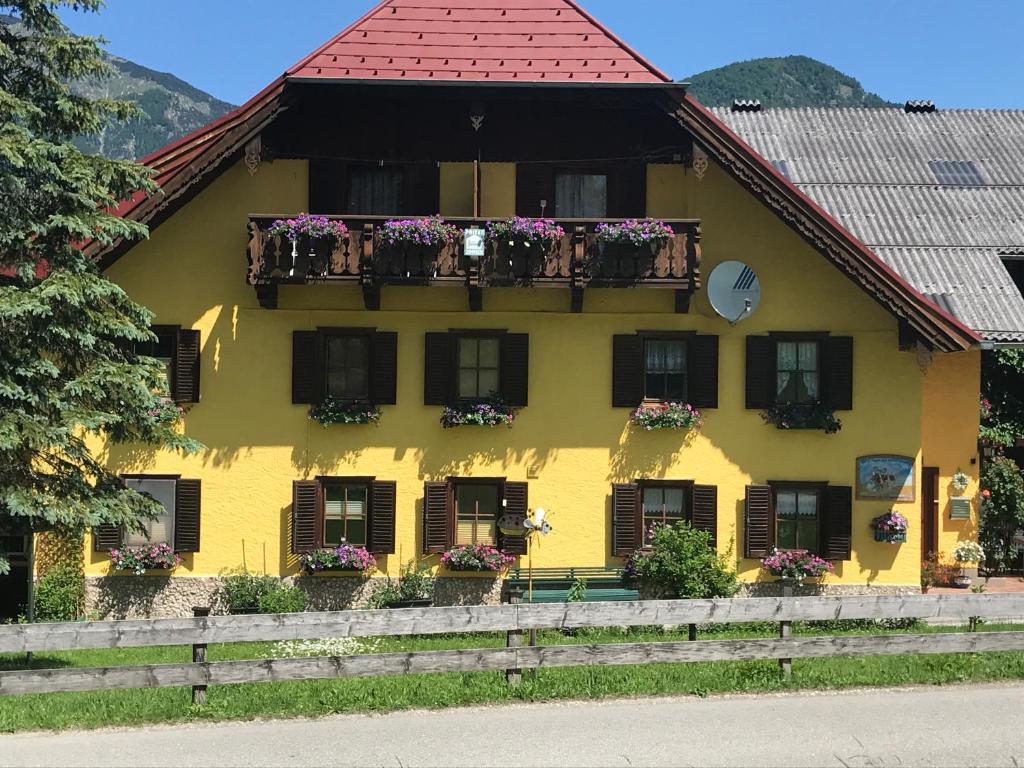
(478, 40)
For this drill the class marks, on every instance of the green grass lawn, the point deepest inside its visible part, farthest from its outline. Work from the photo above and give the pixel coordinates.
(321, 697)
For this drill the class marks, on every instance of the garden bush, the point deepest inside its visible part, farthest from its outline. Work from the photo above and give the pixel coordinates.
(243, 590)
(1002, 511)
(681, 563)
(283, 599)
(60, 594)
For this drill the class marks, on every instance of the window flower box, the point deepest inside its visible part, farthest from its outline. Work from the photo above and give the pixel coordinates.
(795, 565)
(635, 232)
(318, 236)
(331, 412)
(519, 231)
(476, 557)
(345, 557)
(666, 416)
(146, 557)
(485, 413)
(431, 231)
(802, 416)
(166, 412)
(890, 527)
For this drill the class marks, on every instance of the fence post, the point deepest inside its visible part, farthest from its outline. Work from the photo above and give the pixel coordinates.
(199, 656)
(514, 637)
(785, 631)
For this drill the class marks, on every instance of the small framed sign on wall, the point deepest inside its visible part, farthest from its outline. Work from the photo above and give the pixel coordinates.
(885, 476)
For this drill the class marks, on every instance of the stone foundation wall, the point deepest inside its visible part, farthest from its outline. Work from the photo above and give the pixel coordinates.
(774, 589)
(137, 597)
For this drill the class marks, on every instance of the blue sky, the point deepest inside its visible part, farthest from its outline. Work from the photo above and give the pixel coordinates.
(959, 53)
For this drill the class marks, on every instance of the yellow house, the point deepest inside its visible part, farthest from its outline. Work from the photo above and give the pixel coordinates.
(478, 115)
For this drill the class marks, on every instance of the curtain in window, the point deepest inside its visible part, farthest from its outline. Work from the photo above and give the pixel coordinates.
(787, 357)
(581, 195)
(808, 359)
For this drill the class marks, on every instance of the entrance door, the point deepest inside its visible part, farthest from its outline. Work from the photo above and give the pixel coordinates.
(929, 511)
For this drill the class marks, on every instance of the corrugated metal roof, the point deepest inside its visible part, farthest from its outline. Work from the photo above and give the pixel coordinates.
(872, 169)
(472, 40)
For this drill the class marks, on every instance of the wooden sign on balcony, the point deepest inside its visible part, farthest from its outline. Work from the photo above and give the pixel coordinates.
(473, 238)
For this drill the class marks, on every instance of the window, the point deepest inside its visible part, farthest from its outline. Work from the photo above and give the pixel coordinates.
(662, 505)
(375, 191)
(1015, 266)
(345, 513)
(797, 516)
(476, 512)
(797, 375)
(665, 370)
(161, 529)
(14, 546)
(163, 349)
(478, 364)
(581, 195)
(347, 366)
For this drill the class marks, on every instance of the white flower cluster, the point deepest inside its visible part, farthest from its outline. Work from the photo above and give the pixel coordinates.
(331, 646)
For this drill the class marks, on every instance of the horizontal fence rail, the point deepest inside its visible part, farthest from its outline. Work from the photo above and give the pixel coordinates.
(511, 618)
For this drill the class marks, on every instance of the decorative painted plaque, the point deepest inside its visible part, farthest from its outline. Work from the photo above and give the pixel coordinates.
(885, 476)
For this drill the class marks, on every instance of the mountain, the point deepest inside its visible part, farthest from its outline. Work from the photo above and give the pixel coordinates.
(787, 81)
(172, 108)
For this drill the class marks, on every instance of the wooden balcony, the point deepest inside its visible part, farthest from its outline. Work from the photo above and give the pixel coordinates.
(576, 261)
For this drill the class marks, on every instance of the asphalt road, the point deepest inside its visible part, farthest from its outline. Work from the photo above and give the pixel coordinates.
(948, 726)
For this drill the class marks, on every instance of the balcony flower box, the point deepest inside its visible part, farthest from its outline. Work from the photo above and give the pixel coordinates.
(666, 416)
(890, 527)
(484, 413)
(476, 557)
(795, 565)
(315, 235)
(635, 232)
(331, 412)
(802, 416)
(345, 557)
(145, 557)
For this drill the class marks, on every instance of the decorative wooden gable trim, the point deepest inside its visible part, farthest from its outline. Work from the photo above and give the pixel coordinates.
(938, 329)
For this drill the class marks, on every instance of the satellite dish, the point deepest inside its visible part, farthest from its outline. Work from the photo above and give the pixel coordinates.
(734, 290)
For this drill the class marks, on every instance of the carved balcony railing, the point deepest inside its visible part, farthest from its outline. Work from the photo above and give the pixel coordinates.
(577, 260)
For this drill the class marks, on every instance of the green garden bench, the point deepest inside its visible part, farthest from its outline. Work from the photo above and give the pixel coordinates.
(551, 585)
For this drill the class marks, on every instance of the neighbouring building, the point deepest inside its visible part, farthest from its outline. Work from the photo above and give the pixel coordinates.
(479, 112)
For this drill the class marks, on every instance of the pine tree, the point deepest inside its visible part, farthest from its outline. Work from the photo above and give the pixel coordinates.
(69, 374)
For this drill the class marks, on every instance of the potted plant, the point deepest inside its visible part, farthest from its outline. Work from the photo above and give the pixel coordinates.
(344, 557)
(960, 481)
(243, 590)
(317, 232)
(890, 527)
(802, 416)
(414, 588)
(966, 552)
(145, 557)
(332, 411)
(656, 415)
(476, 557)
(795, 565)
(491, 412)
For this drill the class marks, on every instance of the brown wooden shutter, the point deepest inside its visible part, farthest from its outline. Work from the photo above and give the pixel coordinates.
(438, 361)
(307, 375)
(837, 372)
(516, 504)
(437, 514)
(627, 370)
(535, 182)
(106, 536)
(381, 537)
(627, 190)
(703, 383)
(760, 372)
(328, 187)
(187, 504)
(186, 367)
(757, 528)
(306, 507)
(836, 522)
(515, 368)
(421, 189)
(384, 387)
(627, 533)
(704, 507)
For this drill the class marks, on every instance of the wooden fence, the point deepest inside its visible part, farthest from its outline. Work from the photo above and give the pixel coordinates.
(514, 619)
